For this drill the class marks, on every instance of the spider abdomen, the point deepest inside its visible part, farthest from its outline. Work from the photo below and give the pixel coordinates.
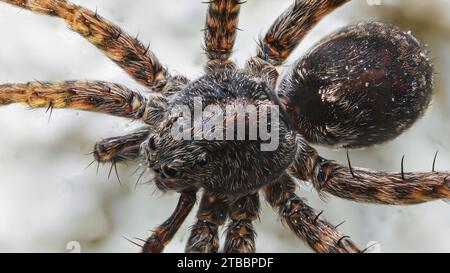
(363, 85)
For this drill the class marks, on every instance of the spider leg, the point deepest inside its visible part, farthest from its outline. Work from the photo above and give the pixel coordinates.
(240, 232)
(320, 235)
(290, 27)
(220, 32)
(123, 49)
(174, 84)
(263, 69)
(95, 96)
(368, 186)
(211, 215)
(285, 34)
(165, 232)
(121, 148)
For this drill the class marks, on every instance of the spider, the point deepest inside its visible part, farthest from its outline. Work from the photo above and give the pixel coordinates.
(362, 85)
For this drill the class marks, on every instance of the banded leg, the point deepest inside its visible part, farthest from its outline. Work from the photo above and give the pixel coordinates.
(211, 215)
(174, 84)
(165, 232)
(320, 235)
(124, 50)
(289, 29)
(240, 232)
(121, 148)
(220, 32)
(368, 186)
(95, 96)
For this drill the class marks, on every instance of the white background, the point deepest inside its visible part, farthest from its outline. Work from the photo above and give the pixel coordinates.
(48, 198)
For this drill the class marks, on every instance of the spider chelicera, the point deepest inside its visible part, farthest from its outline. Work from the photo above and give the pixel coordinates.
(363, 85)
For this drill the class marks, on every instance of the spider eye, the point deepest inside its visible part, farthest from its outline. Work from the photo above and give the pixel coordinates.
(203, 160)
(169, 172)
(152, 144)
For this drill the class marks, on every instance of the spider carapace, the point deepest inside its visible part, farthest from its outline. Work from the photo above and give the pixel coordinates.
(363, 85)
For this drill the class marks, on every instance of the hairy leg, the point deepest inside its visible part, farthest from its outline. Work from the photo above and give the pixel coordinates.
(368, 186)
(174, 84)
(263, 69)
(240, 232)
(211, 215)
(320, 235)
(220, 32)
(286, 33)
(124, 50)
(289, 29)
(95, 96)
(121, 148)
(165, 232)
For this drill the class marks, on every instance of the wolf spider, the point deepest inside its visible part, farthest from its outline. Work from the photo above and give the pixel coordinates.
(363, 85)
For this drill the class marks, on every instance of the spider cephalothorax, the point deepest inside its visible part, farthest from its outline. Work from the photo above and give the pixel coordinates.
(362, 85)
(218, 165)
